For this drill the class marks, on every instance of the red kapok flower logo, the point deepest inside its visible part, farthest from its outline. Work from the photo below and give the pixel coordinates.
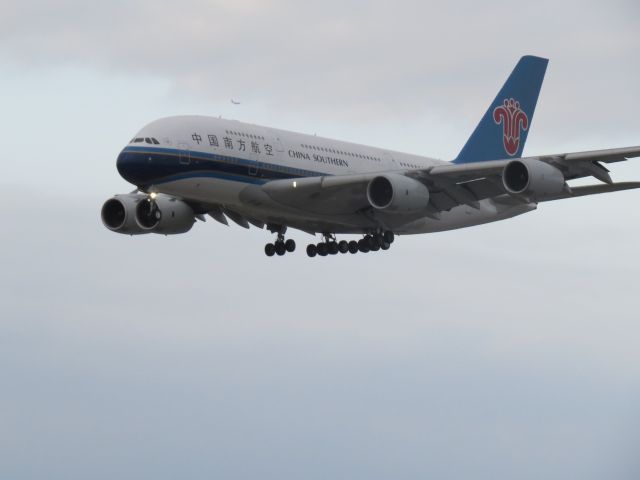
(514, 121)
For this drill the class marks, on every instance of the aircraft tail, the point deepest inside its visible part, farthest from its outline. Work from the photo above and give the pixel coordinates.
(502, 132)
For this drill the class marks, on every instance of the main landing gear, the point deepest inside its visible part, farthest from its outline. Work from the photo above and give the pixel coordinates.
(370, 243)
(280, 246)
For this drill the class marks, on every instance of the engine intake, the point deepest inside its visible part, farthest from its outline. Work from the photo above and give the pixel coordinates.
(533, 178)
(397, 193)
(118, 214)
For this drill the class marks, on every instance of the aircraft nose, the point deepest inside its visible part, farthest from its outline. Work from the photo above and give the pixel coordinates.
(131, 167)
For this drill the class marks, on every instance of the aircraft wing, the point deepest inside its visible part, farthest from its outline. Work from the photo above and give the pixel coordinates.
(451, 185)
(329, 195)
(573, 165)
(457, 184)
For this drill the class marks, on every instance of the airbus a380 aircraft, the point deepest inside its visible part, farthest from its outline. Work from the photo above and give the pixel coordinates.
(187, 167)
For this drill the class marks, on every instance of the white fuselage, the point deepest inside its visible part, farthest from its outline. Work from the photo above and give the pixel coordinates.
(223, 163)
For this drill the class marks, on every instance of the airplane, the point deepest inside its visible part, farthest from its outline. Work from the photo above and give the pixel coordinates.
(187, 167)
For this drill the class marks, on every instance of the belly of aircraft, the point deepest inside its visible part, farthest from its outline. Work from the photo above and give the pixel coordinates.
(251, 202)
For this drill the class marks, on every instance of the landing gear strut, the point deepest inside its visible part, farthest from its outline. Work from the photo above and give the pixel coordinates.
(280, 246)
(369, 243)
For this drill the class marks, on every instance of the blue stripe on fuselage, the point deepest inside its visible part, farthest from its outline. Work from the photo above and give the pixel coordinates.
(150, 165)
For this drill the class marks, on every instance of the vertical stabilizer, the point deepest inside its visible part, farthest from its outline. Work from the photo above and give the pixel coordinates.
(503, 130)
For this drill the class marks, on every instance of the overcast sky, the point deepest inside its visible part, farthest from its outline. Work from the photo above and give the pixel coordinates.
(498, 352)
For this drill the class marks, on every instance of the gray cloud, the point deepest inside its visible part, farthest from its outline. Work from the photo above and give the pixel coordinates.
(487, 354)
(358, 60)
(504, 351)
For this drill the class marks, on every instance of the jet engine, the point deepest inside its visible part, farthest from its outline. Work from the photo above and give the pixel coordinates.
(397, 193)
(164, 214)
(138, 214)
(533, 178)
(119, 214)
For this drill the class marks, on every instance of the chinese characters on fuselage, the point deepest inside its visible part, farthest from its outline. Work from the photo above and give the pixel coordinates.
(241, 144)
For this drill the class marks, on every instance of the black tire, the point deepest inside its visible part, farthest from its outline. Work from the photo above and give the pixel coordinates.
(379, 239)
(312, 251)
(343, 246)
(322, 249)
(385, 246)
(333, 248)
(363, 246)
(389, 237)
(290, 245)
(375, 248)
(353, 247)
(280, 249)
(371, 241)
(270, 249)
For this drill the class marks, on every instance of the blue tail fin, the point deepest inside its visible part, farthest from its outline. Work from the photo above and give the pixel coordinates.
(503, 130)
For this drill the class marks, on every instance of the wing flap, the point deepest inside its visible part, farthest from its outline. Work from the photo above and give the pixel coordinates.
(484, 188)
(592, 190)
(442, 202)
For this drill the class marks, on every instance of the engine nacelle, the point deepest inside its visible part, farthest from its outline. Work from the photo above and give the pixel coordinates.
(533, 178)
(397, 193)
(165, 215)
(119, 214)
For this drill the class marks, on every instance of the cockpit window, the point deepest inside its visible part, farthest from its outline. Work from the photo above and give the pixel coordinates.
(149, 140)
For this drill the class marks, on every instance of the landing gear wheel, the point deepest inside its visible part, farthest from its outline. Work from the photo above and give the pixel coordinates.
(290, 246)
(333, 248)
(363, 246)
(371, 242)
(389, 237)
(280, 248)
(379, 239)
(375, 247)
(385, 246)
(312, 251)
(270, 249)
(353, 247)
(323, 250)
(343, 246)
